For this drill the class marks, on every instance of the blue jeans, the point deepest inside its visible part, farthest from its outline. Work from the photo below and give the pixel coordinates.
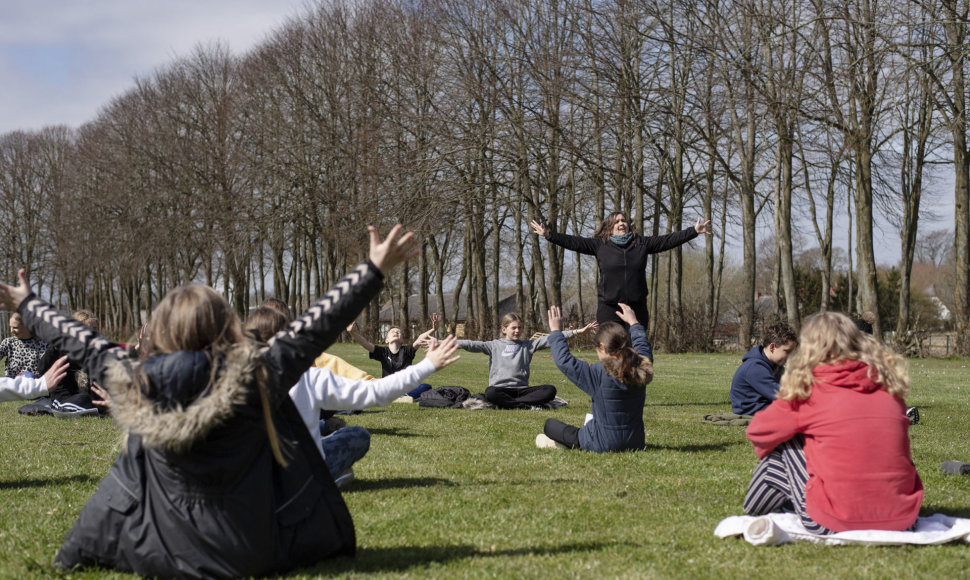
(344, 447)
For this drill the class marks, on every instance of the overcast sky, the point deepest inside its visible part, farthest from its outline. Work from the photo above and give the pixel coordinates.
(62, 60)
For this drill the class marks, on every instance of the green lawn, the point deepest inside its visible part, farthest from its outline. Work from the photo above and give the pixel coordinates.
(456, 493)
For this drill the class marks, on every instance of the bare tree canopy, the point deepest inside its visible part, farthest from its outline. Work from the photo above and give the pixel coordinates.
(465, 121)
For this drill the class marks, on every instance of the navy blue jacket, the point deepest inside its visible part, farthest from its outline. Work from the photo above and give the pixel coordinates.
(617, 423)
(755, 383)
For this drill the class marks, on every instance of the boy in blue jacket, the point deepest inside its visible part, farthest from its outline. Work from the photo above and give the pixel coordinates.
(755, 383)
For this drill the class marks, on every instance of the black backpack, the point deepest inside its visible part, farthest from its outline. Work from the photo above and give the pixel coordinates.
(443, 397)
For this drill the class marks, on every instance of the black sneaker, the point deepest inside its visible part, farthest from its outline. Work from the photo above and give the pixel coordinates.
(41, 406)
(955, 468)
(913, 414)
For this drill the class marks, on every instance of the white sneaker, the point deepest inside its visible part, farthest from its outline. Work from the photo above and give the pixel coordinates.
(544, 442)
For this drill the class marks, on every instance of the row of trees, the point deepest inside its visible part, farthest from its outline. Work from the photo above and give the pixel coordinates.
(255, 173)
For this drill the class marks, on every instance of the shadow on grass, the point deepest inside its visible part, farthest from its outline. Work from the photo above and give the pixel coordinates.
(396, 482)
(24, 483)
(401, 559)
(692, 448)
(928, 510)
(395, 432)
(726, 403)
(517, 482)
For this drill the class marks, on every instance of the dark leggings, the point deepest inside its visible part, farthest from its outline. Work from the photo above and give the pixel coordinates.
(520, 397)
(562, 433)
(607, 313)
(779, 482)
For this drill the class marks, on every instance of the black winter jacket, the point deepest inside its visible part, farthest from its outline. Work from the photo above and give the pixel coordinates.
(196, 491)
(623, 270)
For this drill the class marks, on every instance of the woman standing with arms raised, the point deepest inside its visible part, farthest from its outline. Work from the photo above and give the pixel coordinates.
(621, 255)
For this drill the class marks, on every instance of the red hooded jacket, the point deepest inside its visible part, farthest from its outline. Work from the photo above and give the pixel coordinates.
(861, 475)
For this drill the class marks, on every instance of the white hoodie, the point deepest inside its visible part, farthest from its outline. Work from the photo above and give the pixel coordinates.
(320, 389)
(22, 388)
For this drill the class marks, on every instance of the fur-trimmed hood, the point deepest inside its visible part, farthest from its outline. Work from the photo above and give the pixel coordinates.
(180, 404)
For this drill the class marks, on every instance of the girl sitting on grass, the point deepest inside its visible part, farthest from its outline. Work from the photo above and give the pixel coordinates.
(616, 384)
(219, 477)
(834, 446)
(320, 389)
(509, 358)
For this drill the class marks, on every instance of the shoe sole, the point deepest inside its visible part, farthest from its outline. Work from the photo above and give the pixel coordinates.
(74, 415)
(544, 442)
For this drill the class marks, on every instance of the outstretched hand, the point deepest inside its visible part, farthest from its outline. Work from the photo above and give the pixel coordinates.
(57, 372)
(391, 251)
(627, 314)
(555, 318)
(12, 296)
(591, 326)
(703, 227)
(538, 228)
(440, 353)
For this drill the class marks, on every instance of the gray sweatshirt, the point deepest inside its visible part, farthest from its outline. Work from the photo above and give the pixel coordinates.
(508, 360)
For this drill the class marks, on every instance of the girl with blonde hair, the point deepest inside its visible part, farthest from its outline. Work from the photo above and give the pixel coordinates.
(834, 446)
(509, 358)
(218, 477)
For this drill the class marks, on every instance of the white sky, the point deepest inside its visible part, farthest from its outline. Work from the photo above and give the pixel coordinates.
(62, 60)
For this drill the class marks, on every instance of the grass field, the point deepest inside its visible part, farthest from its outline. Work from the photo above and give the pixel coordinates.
(457, 493)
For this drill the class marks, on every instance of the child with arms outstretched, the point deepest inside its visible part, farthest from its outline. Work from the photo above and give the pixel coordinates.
(616, 384)
(319, 389)
(509, 358)
(396, 355)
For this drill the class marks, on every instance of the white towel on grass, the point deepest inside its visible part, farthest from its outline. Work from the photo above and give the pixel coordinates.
(775, 529)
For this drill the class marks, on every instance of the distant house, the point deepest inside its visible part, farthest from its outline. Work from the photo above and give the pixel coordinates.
(941, 310)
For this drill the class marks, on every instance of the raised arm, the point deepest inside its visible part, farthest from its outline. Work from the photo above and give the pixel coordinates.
(575, 243)
(577, 371)
(22, 387)
(82, 345)
(480, 346)
(294, 348)
(638, 334)
(329, 391)
(656, 244)
(360, 338)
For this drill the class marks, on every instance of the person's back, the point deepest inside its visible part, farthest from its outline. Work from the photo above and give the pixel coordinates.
(615, 384)
(219, 477)
(837, 437)
(756, 382)
(203, 457)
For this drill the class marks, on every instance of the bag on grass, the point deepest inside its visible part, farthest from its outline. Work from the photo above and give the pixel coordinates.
(443, 397)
